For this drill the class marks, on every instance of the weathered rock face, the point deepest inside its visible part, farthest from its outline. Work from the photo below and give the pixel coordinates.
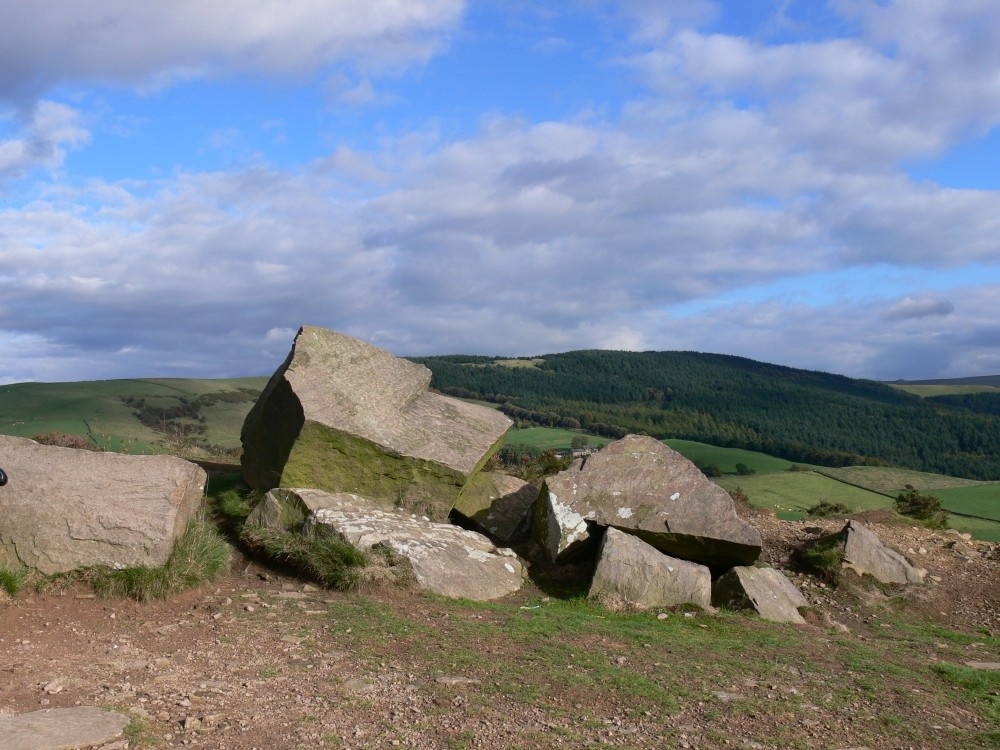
(865, 553)
(64, 508)
(446, 560)
(631, 571)
(345, 416)
(499, 505)
(764, 590)
(640, 485)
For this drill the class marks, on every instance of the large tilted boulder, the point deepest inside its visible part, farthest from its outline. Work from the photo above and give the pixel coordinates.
(64, 508)
(499, 505)
(446, 559)
(344, 416)
(639, 485)
(766, 591)
(629, 571)
(865, 553)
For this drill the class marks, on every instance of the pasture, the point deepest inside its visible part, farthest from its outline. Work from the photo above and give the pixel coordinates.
(791, 493)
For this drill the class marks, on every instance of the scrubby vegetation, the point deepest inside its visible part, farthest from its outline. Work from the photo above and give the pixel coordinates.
(823, 558)
(924, 508)
(826, 509)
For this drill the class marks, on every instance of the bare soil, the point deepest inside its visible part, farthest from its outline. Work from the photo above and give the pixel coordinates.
(263, 660)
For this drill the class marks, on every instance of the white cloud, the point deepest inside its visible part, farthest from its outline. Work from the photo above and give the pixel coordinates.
(151, 44)
(526, 237)
(41, 138)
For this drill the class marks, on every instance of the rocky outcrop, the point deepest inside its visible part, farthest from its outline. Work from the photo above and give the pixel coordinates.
(499, 505)
(632, 572)
(865, 553)
(64, 508)
(639, 485)
(766, 591)
(446, 559)
(344, 416)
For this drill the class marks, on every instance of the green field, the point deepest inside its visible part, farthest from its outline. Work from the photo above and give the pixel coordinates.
(926, 391)
(727, 458)
(98, 410)
(790, 493)
(547, 438)
(891, 481)
(982, 500)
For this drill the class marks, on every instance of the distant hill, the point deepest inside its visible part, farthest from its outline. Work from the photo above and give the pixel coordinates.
(801, 415)
(139, 416)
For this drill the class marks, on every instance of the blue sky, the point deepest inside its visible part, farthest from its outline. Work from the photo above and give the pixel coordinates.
(184, 184)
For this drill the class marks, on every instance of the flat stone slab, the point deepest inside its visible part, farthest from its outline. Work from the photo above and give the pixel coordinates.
(446, 559)
(60, 728)
(764, 590)
(345, 416)
(65, 508)
(633, 572)
(638, 484)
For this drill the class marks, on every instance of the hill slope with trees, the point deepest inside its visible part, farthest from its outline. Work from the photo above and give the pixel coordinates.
(799, 415)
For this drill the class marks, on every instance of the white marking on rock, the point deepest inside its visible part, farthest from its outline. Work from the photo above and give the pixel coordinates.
(624, 512)
(675, 496)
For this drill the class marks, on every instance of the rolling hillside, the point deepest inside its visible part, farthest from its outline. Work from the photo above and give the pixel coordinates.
(802, 416)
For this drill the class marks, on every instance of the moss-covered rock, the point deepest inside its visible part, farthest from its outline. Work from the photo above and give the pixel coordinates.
(344, 416)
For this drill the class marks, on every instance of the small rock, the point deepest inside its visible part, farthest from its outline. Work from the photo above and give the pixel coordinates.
(52, 687)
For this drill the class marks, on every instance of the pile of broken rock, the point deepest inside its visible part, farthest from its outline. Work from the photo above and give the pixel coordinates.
(348, 440)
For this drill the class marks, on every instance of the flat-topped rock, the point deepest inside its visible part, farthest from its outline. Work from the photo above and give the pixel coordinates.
(345, 416)
(639, 485)
(446, 559)
(629, 571)
(64, 508)
(60, 728)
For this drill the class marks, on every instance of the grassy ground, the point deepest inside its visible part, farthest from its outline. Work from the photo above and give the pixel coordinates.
(725, 679)
(548, 438)
(790, 493)
(97, 409)
(727, 458)
(944, 390)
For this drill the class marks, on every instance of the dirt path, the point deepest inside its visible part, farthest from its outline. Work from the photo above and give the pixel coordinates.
(264, 661)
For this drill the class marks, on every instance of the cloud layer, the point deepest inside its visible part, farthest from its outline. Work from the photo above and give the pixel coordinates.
(679, 219)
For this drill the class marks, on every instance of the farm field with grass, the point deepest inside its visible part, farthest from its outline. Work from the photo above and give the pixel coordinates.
(726, 459)
(98, 410)
(791, 493)
(548, 438)
(926, 391)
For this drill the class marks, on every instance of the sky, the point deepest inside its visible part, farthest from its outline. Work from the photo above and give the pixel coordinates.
(808, 183)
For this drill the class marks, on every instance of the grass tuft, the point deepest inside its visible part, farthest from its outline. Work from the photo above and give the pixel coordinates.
(13, 581)
(327, 559)
(824, 558)
(198, 557)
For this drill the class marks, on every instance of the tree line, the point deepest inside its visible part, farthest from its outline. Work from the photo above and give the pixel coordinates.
(803, 416)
